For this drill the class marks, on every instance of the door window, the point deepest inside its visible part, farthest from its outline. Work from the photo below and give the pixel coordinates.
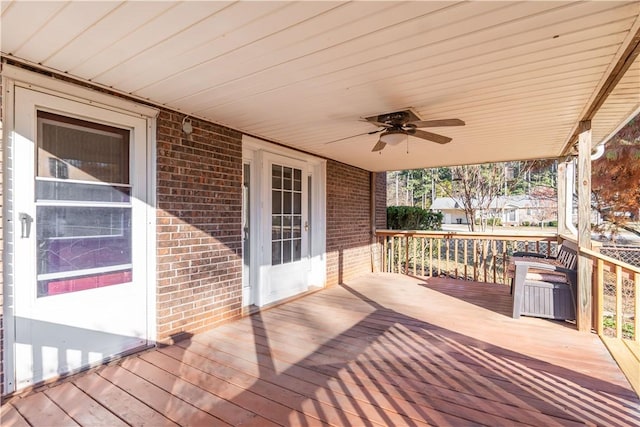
(83, 205)
(286, 214)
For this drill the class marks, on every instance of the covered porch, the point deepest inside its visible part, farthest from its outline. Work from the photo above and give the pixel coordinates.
(221, 100)
(385, 349)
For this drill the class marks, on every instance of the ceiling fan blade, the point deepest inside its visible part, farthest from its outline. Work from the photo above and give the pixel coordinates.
(431, 136)
(354, 136)
(379, 146)
(437, 123)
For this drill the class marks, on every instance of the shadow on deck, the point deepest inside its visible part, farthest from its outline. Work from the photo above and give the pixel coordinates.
(382, 350)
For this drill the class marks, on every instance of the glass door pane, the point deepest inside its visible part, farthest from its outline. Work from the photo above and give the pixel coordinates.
(286, 214)
(83, 205)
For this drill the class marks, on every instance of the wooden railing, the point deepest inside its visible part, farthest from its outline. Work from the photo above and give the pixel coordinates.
(616, 294)
(616, 311)
(484, 257)
(474, 256)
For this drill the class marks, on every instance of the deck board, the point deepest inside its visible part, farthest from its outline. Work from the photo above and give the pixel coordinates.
(380, 350)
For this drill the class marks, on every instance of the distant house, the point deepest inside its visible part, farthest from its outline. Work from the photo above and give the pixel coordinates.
(510, 210)
(452, 210)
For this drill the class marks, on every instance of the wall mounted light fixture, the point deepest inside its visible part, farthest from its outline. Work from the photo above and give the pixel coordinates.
(187, 127)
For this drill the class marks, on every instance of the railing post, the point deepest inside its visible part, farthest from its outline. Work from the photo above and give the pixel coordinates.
(585, 270)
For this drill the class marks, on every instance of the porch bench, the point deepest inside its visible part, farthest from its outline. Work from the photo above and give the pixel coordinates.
(544, 286)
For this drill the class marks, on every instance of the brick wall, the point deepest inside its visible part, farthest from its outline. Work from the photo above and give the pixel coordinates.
(199, 221)
(199, 197)
(348, 222)
(381, 200)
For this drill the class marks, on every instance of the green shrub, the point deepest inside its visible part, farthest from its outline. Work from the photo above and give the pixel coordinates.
(412, 218)
(553, 223)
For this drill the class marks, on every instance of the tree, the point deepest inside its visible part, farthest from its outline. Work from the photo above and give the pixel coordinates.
(544, 204)
(477, 187)
(615, 180)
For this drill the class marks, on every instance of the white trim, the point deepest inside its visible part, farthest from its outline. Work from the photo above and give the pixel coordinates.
(85, 272)
(80, 181)
(152, 255)
(255, 144)
(82, 204)
(258, 153)
(13, 77)
(43, 83)
(8, 179)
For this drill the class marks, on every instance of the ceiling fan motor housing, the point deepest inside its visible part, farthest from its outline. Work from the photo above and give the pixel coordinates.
(397, 118)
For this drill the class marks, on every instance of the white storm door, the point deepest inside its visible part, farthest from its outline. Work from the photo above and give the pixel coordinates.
(288, 226)
(79, 203)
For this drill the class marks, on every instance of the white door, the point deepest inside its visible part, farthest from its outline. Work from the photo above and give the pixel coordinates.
(79, 260)
(287, 227)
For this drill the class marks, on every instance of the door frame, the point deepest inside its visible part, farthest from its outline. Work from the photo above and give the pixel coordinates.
(13, 77)
(256, 152)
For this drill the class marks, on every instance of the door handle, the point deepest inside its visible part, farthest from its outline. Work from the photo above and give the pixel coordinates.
(25, 225)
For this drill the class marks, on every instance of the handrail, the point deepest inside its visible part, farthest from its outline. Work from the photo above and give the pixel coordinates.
(623, 307)
(478, 256)
(593, 254)
(498, 235)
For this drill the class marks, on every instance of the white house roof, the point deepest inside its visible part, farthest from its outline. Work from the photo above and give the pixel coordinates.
(500, 202)
(444, 203)
(522, 75)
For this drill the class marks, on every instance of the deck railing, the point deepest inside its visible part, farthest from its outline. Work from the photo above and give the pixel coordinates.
(484, 257)
(616, 286)
(481, 257)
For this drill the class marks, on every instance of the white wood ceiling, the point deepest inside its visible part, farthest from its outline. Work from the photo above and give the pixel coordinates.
(521, 74)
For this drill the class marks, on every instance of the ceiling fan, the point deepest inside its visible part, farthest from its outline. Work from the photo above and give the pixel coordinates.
(400, 123)
(397, 125)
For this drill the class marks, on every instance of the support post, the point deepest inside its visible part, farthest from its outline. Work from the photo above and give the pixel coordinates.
(585, 269)
(372, 217)
(562, 197)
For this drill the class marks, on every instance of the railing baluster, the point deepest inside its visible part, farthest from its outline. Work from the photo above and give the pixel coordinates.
(448, 255)
(599, 296)
(619, 316)
(400, 255)
(485, 250)
(636, 307)
(475, 258)
(455, 256)
(415, 258)
(392, 257)
(504, 262)
(385, 258)
(466, 259)
(439, 257)
(406, 255)
(495, 257)
(422, 241)
(430, 257)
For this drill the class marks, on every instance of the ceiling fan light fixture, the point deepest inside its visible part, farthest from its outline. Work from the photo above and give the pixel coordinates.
(393, 138)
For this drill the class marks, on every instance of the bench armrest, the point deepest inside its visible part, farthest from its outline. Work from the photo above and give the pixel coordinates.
(530, 255)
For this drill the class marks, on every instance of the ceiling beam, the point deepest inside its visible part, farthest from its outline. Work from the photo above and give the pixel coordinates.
(626, 60)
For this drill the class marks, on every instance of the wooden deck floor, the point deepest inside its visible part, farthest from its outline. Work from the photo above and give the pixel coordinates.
(382, 350)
